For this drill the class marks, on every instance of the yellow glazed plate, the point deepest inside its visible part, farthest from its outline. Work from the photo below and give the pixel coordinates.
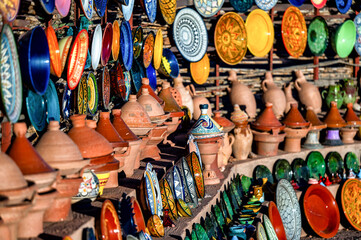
(200, 70)
(260, 33)
(168, 9)
(158, 50)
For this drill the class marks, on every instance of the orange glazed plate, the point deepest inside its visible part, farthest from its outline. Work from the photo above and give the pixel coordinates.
(55, 63)
(230, 38)
(115, 43)
(351, 202)
(109, 222)
(200, 70)
(148, 49)
(138, 215)
(64, 47)
(276, 221)
(294, 32)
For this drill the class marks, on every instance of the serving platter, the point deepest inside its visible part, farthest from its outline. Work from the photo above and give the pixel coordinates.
(351, 202)
(316, 164)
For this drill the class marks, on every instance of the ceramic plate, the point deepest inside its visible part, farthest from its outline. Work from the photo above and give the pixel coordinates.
(200, 232)
(138, 215)
(192, 199)
(316, 165)
(200, 70)
(317, 37)
(266, 5)
(150, 194)
(296, 3)
(128, 10)
(209, 226)
(219, 216)
(177, 183)
(344, 39)
(64, 47)
(96, 46)
(230, 37)
(126, 45)
(127, 80)
(351, 202)
(223, 208)
(183, 209)
(319, 3)
(82, 100)
(52, 103)
(246, 182)
(105, 87)
(152, 76)
(66, 102)
(283, 170)
(150, 9)
(352, 162)
(343, 5)
(208, 8)
(168, 9)
(261, 171)
(63, 7)
(357, 22)
(10, 76)
(260, 33)
(87, 6)
(289, 209)
(92, 94)
(55, 63)
(234, 195)
(137, 35)
(196, 169)
(148, 49)
(158, 197)
(321, 211)
(109, 222)
(261, 233)
(117, 81)
(158, 49)
(107, 44)
(241, 6)
(169, 66)
(137, 73)
(300, 170)
(228, 205)
(276, 221)
(100, 7)
(36, 108)
(192, 42)
(294, 32)
(115, 42)
(9, 9)
(167, 199)
(48, 6)
(271, 234)
(334, 163)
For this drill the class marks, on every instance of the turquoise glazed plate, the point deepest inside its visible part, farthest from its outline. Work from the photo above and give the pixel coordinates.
(200, 232)
(261, 171)
(352, 162)
(36, 108)
(282, 170)
(316, 165)
(52, 103)
(218, 216)
(228, 205)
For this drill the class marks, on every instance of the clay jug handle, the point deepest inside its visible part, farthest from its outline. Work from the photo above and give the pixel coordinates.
(323, 93)
(192, 91)
(231, 139)
(264, 87)
(297, 85)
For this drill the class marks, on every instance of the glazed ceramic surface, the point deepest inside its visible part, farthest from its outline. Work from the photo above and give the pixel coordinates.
(117, 81)
(63, 7)
(334, 163)
(289, 209)
(158, 49)
(351, 90)
(283, 170)
(192, 198)
(137, 73)
(64, 47)
(107, 44)
(296, 3)
(82, 101)
(294, 32)
(150, 9)
(169, 65)
(87, 6)
(66, 102)
(266, 5)
(357, 22)
(96, 46)
(9, 9)
(148, 49)
(200, 232)
(343, 5)
(275, 219)
(343, 40)
(317, 37)
(158, 197)
(351, 202)
(109, 222)
(168, 201)
(261, 171)
(115, 41)
(36, 108)
(261, 233)
(48, 6)
(155, 226)
(127, 80)
(206, 127)
(260, 33)
(334, 94)
(208, 8)
(228, 205)
(92, 94)
(128, 10)
(55, 63)
(52, 103)
(168, 9)
(105, 87)
(10, 76)
(150, 193)
(352, 162)
(89, 188)
(137, 35)
(183, 209)
(319, 3)
(241, 6)
(100, 7)
(176, 183)
(300, 170)
(152, 76)
(230, 38)
(196, 169)
(126, 44)
(316, 165)
(219, 216)
(200, 70)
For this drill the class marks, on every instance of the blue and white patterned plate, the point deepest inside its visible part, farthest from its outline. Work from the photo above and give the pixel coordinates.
(208, 8)
(10, 76)
(36, 108)
(52, 103)
(158, 197)
(87, 6)
(151, 9)
(176, 183)
(189, 185)
(128, 10)
(266, 5)
(150, 193)
(357, 22)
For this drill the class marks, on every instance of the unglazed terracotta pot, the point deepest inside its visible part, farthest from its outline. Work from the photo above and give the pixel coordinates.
(225, 151)
(242, 95)
(184, 92)
(170, 104)
(308, 93)
(239, 117)
(273, 94)
(197, 101)
(289, 98)
(156, 135)
(242, 145)
(348, 134)
(153, 108)
(145, 84)
(267, 144)
(293, 138)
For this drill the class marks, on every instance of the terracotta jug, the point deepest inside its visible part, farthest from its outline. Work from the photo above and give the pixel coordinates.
(186, 96)
(273, 94)
(242, 145)
(242, 95)
(308, 93)
(197, 101)
(289, 98)
(225, 151)
(170, 104)
(334, 94)
(350, 89)
(145, 84)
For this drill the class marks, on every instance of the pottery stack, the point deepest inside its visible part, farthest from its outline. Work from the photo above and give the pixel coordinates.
(352, 124)
(334, 123)
(312, 140)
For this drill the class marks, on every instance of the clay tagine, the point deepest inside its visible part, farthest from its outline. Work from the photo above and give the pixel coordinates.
(206, 127)
(267, 121)
(312, 140)
(145, 84)
(294, 119)
(334, 122)
(222, 121)
(170, 103)
(153, 108)
(348, 133)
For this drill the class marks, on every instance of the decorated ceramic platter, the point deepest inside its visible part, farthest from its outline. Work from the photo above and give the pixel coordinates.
(158, 49)
(209, 225)
(158, 197)
(96, 48)
(168, 201)
(266, 5)
(150, 9)
(89, 187)
(109, 221)
(117, 81)
(87, 6)
(191, 193)
(105, 87)
(283, 170)
(151, 197)
(82, 100)
(200, 232)
(208, 8)
(9, 9)
(271, 234)
(55, 63)
(127, 80)
(137, 35)
(261, 233)
(36, 108)
(318, 3)
(196, 169)
(300, 170)
(100, 7)
(276, 221)
(10, 76)
(234, 195)
(200, 70)
(107, 44)
(351, 202)
(138, 217)
(334, 163)
(289, 209)
(352, 162)
(176, 183)
(230, 38)
(128, 10)
(317, 37)
(148, 49)
(169, 66)
(64, 47)
(260, 33)
(343, 5)
(126, 45)
(190, 34)
(183, 209)
(357, 22)
(296, 3)
(261, 171)
(343, 40)
(137, 73)
(316, 165)
(228, 205)
(52, 103)
(168, 9)
(66, 102)
(63, 7)
(92, 94)
(294, 32)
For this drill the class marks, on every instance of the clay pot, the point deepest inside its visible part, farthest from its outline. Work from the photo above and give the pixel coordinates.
(266, 143)
(293, 138)
(348, 134)
(333, 118)
(177, 96)
(155, 136)
(294, 118)
(31, 164)
(186, 96)
(289, 98)
(242, 145)
(351, 117)
(152, 107)
(171, 128)
(239, 117)
(197, 101)
(242, 95)
(170, 103)
(145, 84)
(273, 94)
(224, 122)
(58, 150)
(225, 151)
(267, 120)
(308, 93)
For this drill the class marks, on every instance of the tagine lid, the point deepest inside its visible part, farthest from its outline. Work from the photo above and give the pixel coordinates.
(239, 117)
(121, 127)
(145, 84)
(351, 117)
(170, 103)
(151, 105)
(294, 119)
(134, 114)
(10, 174)
(267, 121)
(333, 118)
(311, 116)
(222, 121)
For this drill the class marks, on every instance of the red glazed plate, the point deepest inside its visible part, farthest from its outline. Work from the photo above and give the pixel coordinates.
(138, 215)
(318, 3)
(117, 81)
(55, 63)
(351, 202)
(276, 221)
(109, 222)
(107, 44)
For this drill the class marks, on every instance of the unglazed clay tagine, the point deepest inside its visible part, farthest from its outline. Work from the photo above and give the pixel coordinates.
(222, 121)
(153, 108)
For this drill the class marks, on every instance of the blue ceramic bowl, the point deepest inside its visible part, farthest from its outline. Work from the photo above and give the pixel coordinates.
(241, 6)
(100, 6)
(126, 45)
(343, 5)
(296, 3)
(152, 76)
(128, 10)
(48, 5)
(52, 103)
(35, 60)
(124, 2)
(36, 108)
(169, 65)
(151, 9)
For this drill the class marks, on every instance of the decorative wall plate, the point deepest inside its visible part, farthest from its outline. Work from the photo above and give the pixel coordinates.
(92, 94)
(317, 37)
(241, 6)
(77, 58)
(289, 209)
(200, 232)
(319, 3)
(168, 201)
(321, 211)
(260, 33)
(352, 162)
(100, 7)
(55, 63)
(150, 9)
(228, 205)
(107, 44)
(9, 9)
(296, 3)
(178, 185)
(261, 233)
(158, 49)
(275, 219)
(126, 44)
(82, 100)
(168, 9)
(10, 76)
(230, 38)
(138, 215)
(148, 49)
(52, 103)
(152, 76)
(235, 193)
(294, 32)
(219, 216)
(351, 202)
(343, 5)
(169, 66)
(266, 5)
(316, 165)
(48, 6)
(183, 209)
(190, 34)
(115, 42)
(200, 70)
(283, 170)
(137, 74)
(128, 10)
(109, 222)
(190, 182)
(208, 8)
(158, 197)
(150, 194)
(209, 225)
(87, 6)
(334, 163)
(357, 22)
(300, 170)
(137, 35)
(261, 171)
(127, 80)
(344, 39)
(96, 46)
(64, 47)
(63, 7)
(117, 80)
(66, 102)
(105, 87)
(196, 169)
(36, 108)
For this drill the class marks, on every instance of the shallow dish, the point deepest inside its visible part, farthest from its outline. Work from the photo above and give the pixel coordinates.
(117, 81)
(282, 170)
(200, 70)
(168, 9)
(55, 63)
(128, 10)
(137, 35)
(261, 233)
(158, 49)
(266, 5)
(275, 219)
(66, 102)
(137, 73)
(100, 7)
(208, 8)
(343, 5)
(352, 162)
(200, 232)
(9, 9)
(241, 6)
(316, 165)
(155, 226)
(343, 40)
(96, 46)
(64, 47)
(126, 45)
(48, 5)
(169, 66)
(63, 7)
(296, 3)
(228, 205)
(138, 215)
(351, 202)
(317, 38)
(300, 170)
(318, 3)
(152, 76)
(52, 103)
(115, 42)
(105, 88)
(196, 169)
(334, 163)
(167, 199)
(36, 108)
(183, 209)
(357, 22)
(150, 194)
(150, 8)
(271, 234)
(82, 100)
(109, 222)
(87, 6)
(148, 49)
(261, 171)
(93, 97)
(107, 44)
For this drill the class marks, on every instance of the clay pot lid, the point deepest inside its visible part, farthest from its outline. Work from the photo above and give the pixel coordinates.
(145, 84)
(170, 103)
(122, 128)
(90, 143)
(333, 118)
(222, 121)
(239, 117)
(267, 121)
(351, 117)
(311, 116)
(294, 119)
(107, 130)
(151, 106)
(134, 114)
(10, 175)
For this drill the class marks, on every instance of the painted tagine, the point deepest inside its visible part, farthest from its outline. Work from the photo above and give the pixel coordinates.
(312, 140)
(348, 132)
(197, 101)
(273, 94)
(187, 99)
(333, 94)
(350, 89)
(334, 122)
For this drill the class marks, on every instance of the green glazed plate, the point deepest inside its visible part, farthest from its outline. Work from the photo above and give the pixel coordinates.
(200, 232)
(282, 170)
(300, 170)
(334, 163)
(261, 233)
(317, 38)
(194, 235)
(261, 171)
(343, 40)
(316, 164)
(235, 193)
(219, 216)
(271, 234)
(227, 204)
(209, 225)
(246, 183)
(352, 162)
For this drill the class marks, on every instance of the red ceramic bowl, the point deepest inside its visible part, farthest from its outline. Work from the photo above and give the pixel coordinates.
(138, 215)
(55, 63)
(107, 44)
(276, 221)
(63, 7)
(109, 222)
(321, 211)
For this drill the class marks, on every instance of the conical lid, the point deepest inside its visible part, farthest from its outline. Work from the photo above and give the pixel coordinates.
(267, 121)
(239, 117)
(170, 104)
(145, 84)
(122, 127)
(294, 119)
(90, 143)
(311, 116)
(11, 177)
(351, 117)
(134, 114)
(333, 118)
(106, 128)
(151, 106)
(222, 121)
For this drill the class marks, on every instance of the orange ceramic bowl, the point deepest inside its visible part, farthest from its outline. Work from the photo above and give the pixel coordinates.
(138, 215)
(55, 63)
(64, 46)
(200, 70)
(276, 221)
(77, 59)
(109, 222)
(155, 226)
(115, 43)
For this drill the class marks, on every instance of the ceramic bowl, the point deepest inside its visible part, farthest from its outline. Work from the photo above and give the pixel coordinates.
(115, 43)
(196, 169)
(158, 49)
(148, 49)
(103, 179)
(137, 35)
(64, 47)
(343, 5)
(66, 102)
(107, 44)
(296, 3)
(117, 81)
(35, 60)
(169, 66)
(276, 221)
(93, 96)
(96, 46)
(351, 200)
(52, 103)
(48, 5)
(138, 215)
(152, 76)
(87, 6)
(77, 59)
(241, 6)
(200, 70)
(9, 9)
(63, 7)
(89, 188)
(109, 222)
(167, 199)
(128, 10)
(100, 7)
(55, 63)
(105, 88)
(317, 36)
(343, 40)
(126, 45)
(155, 226)
(36, 109)
(150, 8)
(318, 3)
